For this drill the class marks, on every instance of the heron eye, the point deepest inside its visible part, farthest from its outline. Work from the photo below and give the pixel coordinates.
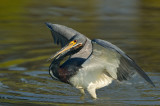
(75, 41)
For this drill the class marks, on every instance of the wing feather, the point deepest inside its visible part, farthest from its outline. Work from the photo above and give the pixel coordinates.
(61, 34)
(114, 61)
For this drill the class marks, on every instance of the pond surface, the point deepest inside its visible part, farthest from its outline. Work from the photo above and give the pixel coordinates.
(26, 44)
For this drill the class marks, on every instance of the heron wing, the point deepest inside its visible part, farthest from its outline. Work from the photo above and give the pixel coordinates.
(61, 34)
(113, 61)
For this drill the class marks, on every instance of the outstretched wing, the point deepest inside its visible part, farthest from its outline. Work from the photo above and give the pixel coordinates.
(113, 61)
(61, 34)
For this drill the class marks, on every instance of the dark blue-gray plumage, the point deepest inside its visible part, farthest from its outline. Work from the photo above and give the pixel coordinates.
(92, 64)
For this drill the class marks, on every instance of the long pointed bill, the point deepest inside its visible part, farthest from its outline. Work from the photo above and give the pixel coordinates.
(63, 50)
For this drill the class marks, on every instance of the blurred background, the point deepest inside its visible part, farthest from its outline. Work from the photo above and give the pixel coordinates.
(26, 43)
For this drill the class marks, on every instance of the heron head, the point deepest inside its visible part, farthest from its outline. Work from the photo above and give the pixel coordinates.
(75, 44)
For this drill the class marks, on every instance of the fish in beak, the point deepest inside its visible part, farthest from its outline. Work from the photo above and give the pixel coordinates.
(65, 50)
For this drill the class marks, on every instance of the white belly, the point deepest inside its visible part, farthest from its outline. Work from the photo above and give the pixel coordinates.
(90, 79)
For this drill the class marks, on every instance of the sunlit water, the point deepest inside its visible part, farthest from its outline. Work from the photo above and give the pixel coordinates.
(26, 44)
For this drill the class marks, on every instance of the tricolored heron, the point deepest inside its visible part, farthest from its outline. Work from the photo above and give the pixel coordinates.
(92, 64)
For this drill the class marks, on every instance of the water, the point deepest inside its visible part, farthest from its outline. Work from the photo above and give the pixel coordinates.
(26, 44)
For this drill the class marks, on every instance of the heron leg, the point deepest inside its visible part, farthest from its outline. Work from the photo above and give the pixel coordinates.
(92, 92)
(82, 91)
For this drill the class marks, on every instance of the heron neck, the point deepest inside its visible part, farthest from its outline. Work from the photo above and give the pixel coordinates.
(54, 67)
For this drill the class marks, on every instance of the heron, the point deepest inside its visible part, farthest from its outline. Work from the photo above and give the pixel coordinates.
(90, 64)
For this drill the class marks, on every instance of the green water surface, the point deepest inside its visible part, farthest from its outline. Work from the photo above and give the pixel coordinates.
(26, 44)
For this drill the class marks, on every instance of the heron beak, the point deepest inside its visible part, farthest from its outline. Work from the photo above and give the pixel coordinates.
(64, 50)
